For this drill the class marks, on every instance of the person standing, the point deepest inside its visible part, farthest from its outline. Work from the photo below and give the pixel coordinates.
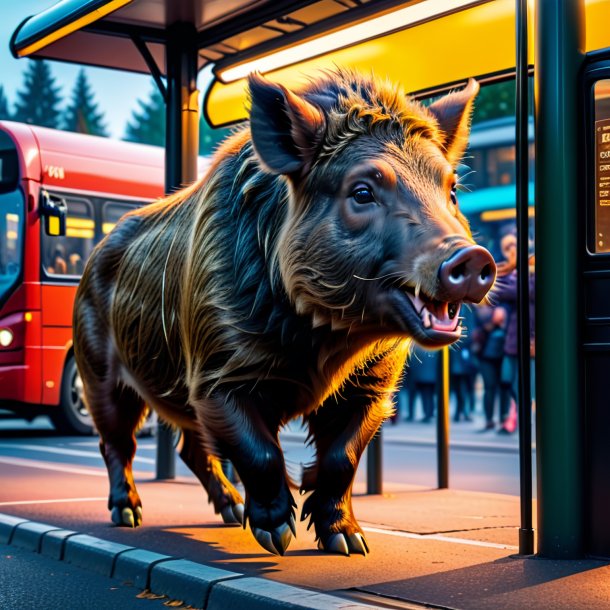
(505, 292)
(460, 370)
(488, 345)
(423, 368)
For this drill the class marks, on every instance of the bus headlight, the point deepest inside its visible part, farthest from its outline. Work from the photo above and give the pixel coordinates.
(6, 337)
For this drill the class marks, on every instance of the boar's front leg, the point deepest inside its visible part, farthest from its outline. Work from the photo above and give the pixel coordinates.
(247, 434)
(341, 429)
(208, 470)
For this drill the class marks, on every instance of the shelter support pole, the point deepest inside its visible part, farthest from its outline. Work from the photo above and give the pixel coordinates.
(181, 152)
(442, 422)
(374, 465)
(559, 54)
(526, 530)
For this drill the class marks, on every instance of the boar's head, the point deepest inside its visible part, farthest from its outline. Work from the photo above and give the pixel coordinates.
(373, 236)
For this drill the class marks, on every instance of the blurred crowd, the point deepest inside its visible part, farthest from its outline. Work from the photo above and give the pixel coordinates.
(484, 372)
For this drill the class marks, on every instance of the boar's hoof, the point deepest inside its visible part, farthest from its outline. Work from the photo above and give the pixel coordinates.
(277, 540)
(126, 516)
(345, 544)
(232, 514)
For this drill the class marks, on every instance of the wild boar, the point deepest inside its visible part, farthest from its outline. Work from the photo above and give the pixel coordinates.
(289, 281)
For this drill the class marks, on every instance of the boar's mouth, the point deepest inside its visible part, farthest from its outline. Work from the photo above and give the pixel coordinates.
(432, 322)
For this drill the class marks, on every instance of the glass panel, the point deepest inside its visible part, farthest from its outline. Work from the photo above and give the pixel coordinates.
(602, 166)
(66, 255)
(11, 240)
(112, 212)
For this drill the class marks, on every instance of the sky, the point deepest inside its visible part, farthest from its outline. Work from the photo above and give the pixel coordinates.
(115, 92)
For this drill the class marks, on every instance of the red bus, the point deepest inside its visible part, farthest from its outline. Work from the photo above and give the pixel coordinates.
(43, 248)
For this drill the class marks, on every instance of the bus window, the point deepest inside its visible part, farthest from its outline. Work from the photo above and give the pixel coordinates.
(66, 255)
(602, 166)
(112, 212)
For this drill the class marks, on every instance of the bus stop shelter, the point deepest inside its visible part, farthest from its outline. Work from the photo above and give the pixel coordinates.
(173, 39)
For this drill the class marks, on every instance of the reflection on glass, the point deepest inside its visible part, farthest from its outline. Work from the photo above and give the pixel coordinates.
(11, 244)
(602, 166)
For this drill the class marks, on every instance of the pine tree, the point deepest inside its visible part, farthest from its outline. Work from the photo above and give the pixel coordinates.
(495, 101)
(4, 111)
(147, 125)
(38, 101)
(82, 114)
(209, 138)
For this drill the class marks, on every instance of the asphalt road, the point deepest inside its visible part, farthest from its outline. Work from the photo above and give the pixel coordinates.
(403, 463)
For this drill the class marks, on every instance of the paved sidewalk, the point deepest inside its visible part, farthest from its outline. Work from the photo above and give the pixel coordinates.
(443, 549)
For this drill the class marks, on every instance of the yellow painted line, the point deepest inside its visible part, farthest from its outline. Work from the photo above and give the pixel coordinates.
(77, 24)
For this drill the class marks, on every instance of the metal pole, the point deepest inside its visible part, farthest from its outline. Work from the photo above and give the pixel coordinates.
(181, 149)
(374, 465)
(442, 422)
(559, 447)
(526, 531)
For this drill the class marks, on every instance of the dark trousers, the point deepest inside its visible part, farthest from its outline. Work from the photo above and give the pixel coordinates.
(460, 385)
(490, 371)
(427, 398)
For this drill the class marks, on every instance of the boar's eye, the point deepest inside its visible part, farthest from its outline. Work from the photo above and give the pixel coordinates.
(453, 195)
(363, 194)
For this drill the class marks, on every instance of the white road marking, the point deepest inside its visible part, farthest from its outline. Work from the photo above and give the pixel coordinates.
(14, 461)
(66, 451)
(147, 447)
(440, 538)
(24, 502)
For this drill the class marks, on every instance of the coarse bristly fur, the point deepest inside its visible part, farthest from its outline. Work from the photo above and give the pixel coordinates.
(269, 290)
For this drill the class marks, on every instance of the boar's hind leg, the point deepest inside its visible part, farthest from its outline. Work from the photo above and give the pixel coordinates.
(251, 442)
(341, 429)
(208, 470)
(117, 415)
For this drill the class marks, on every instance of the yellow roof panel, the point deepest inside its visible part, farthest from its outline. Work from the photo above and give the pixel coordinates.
(478, 41)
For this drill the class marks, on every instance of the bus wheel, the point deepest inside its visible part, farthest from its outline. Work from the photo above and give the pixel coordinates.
(71, 416)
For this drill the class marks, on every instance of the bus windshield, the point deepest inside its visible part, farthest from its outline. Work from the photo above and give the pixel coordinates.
(11, 241)
(11, 218)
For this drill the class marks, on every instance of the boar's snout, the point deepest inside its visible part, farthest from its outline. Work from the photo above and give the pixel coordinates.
(468, 274)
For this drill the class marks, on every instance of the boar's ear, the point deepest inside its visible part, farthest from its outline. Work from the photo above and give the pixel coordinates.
(453, 115)
(286, 129)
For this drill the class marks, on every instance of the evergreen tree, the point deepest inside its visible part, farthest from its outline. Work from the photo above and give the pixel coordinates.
(4, 111)
(495, 101)
(147, 125)
(38, 101)
(209, 137)
(82, 114)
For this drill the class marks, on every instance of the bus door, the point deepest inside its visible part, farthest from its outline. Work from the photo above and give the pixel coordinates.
(62, 260)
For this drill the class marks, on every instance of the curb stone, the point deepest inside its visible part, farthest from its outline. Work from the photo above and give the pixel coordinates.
(29, 535)
(135, 565)
(187, 581)
(8, 524)
(54, 542)
(193, 583)
(261, 594)
(93, 553)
